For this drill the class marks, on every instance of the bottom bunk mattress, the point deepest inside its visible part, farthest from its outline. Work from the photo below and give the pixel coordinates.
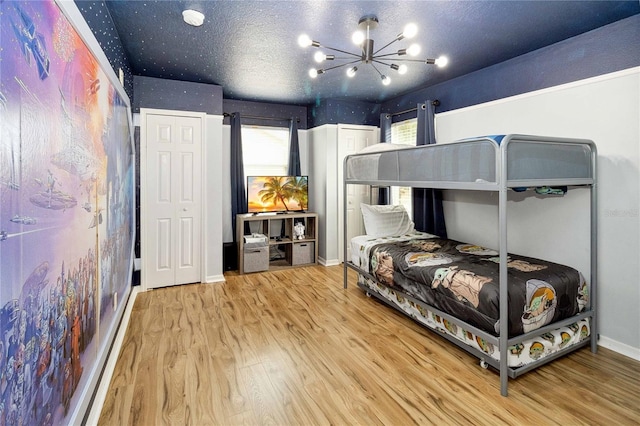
(463, 280)
(521, 354)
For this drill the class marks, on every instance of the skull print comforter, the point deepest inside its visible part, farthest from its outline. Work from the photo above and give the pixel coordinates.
(463, 280)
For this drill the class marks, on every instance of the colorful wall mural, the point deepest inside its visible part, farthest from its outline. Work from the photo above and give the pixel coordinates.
(66, 212)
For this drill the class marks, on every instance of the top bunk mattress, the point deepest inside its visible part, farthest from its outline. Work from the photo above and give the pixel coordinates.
(463, 280)
(477, 161)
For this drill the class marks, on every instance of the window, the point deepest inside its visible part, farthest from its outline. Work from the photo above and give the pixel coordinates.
(265, 151)
(404, 133)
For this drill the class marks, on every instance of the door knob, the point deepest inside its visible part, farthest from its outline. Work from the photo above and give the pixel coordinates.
(184, 209)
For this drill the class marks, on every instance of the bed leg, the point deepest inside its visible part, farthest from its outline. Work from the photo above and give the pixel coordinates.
(504, 378)
(503, 385)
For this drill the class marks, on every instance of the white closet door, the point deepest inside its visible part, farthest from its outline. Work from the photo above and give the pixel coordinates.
(173, 204)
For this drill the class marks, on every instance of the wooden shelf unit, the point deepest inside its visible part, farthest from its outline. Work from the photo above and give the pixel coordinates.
(283, 250)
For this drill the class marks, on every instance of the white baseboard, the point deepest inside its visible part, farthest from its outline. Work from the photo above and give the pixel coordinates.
(214, 279)
(330, 262)
(110, 365)
(621, 348)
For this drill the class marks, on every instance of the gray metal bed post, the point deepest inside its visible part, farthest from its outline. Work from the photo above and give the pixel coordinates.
(594, 250)
(344, 221)
(504, 296)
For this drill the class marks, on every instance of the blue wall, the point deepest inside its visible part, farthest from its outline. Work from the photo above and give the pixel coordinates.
(334, 111)
(151, 92)
(261, 109)
(607, 49)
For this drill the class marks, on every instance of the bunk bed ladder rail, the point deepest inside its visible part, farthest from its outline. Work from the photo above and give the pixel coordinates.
(502, 249)
(345, 261)
(594, 250)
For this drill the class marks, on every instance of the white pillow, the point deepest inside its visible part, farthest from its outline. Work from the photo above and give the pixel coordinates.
(386, 221)
(384, 146)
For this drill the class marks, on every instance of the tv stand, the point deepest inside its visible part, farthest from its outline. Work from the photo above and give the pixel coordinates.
(281, 249)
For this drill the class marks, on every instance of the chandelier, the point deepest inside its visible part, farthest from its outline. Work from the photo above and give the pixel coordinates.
(368, 55)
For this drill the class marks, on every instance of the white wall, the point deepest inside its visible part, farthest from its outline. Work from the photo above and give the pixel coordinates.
(323, 179)
(213, 195)
(605, 109)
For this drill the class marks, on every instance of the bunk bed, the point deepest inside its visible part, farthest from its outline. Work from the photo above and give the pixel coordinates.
(491, 163)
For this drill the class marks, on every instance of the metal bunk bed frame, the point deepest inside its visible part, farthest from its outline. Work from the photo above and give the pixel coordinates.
(503, 182)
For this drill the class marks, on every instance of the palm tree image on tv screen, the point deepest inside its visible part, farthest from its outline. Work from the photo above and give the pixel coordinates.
(277, 193)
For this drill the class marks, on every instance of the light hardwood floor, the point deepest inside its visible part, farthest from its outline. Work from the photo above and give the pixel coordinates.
(294, 348)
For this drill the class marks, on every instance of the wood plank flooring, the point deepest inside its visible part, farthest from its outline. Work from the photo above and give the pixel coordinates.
(294, 348)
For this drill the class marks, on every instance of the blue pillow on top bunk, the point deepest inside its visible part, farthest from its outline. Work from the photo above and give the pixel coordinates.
(386, 220)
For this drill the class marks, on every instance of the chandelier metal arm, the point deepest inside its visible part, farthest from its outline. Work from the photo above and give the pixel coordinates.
(341, 51)
(380, 60)
(386, 55)
(385, 46)
(427, 61)
(341, 65)
(377, 70)
(382, 63)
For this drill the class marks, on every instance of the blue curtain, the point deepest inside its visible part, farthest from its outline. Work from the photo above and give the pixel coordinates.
(238, 191)
(428, 214)
(384, 197)
(294, 149)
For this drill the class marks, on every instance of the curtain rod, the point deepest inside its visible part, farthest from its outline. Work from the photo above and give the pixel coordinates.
(434, 103)
(257, 117)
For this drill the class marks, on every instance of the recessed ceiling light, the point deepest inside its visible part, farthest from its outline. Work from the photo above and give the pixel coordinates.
(193, 17)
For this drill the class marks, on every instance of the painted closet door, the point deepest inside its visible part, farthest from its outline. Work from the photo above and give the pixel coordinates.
(174, 205)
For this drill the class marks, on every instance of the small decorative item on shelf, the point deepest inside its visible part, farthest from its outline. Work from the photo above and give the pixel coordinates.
(298, 231)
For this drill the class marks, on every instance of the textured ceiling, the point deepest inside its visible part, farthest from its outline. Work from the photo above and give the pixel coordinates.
(250, 47)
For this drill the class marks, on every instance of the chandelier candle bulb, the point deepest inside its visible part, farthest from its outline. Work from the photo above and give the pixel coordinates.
(442, 61)
(410, 31)
(321, 57)
(357, 38)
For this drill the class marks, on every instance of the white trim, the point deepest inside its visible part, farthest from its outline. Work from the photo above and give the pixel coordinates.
(103, 387)
(324, 126)
(204, 258)
(330, 262)
(358, 127)
(577, 83)
(214, 279)
(621, 348)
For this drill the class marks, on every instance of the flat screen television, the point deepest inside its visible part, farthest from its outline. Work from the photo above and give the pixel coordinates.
(268, 194)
